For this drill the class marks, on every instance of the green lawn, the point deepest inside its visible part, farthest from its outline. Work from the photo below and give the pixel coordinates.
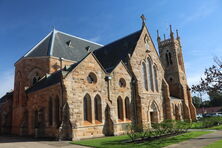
(216, 144)
(117, 141)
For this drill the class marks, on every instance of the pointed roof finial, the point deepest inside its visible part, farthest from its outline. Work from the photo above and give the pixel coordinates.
(171, 29)
(53, 27)
(177, 34)
(171, 32)
(158, 35)
(143, 19)
(157, 31)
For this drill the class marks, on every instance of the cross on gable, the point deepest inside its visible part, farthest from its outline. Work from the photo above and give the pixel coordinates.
(143, 18)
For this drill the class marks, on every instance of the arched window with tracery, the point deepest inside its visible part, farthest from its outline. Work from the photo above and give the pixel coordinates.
(50, 111)
(87, 108)
(56, 111)
(98, 108)
(120, 108)
(144, 73)
(127, 108)
(168, 58)
(150, 74)
(155, 78)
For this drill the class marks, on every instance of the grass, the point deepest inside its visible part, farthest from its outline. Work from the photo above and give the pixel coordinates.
(216, 144)
(117, 141)
(219, 127)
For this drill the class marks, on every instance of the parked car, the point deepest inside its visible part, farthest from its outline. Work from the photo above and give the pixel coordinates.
(212, 115)
(199, 116)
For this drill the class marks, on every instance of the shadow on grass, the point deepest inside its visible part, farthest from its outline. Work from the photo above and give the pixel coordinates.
(120, 141)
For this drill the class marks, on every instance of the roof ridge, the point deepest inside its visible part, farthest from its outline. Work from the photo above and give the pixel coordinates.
(79, 38)
(121, 38)
(32, 49)
(52, 42)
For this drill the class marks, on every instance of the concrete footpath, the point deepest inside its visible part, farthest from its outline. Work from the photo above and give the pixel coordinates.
(199, 142)
(21, 142)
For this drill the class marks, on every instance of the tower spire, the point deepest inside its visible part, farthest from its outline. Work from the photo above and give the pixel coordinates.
(178, 37)
(158, 36)
(171, 32)
(143, 19)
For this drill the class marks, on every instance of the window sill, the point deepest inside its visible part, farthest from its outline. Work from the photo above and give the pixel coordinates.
(98, 122)
(87, 123)
(120, 120)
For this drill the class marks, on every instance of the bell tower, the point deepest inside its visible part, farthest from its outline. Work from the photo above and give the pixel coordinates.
(171, 56)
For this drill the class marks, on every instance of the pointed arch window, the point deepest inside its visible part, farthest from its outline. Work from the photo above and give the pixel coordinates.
(56, 111)
(120, 108)
(127, 108)
(50, 110)
(36, 119)
(144, 73)
(168, 58)
(98, 108)
(150, 74)
(87, 108)
(155, 78)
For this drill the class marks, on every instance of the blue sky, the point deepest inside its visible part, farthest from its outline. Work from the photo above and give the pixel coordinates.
(24, 23)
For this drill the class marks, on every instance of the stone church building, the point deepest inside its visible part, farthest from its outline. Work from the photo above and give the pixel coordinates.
(72, 88)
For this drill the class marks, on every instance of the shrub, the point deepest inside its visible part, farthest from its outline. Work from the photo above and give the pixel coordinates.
(167, 127)
(133, 132)
(207, 122)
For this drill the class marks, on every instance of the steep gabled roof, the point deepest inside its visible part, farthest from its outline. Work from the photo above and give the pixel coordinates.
(55, 77)
(60, 44)
(46, 81)
(110, 55)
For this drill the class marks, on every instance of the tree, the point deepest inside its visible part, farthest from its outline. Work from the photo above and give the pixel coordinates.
(212, 82)
(196, 101)
(215, 98)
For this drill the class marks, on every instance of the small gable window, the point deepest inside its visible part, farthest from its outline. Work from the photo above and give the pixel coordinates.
(146, 41)
(122, 82)
(69, 43)
(36, 78)
(88, 48)
(91, 78)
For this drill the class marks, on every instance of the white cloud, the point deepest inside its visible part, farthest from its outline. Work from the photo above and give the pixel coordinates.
(194, 78)
(7, 82)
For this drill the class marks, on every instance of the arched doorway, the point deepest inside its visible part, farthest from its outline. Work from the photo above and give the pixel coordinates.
(153, 113)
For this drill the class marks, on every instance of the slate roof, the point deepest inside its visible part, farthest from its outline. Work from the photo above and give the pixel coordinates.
(60, 44)
(110, 55)
(55, 44)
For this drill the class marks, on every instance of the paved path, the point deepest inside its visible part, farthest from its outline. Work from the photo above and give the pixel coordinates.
(199, 142)
(18, 142)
